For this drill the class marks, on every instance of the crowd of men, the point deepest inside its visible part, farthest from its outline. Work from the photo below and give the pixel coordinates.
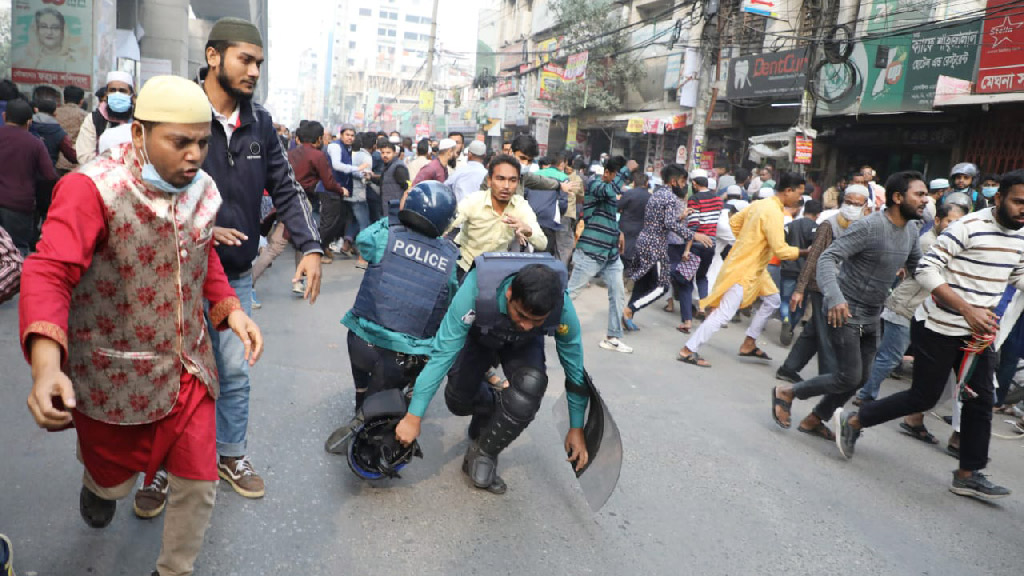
(178, 196)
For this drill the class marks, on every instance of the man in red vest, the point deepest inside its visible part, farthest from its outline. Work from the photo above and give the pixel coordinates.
(112, 317)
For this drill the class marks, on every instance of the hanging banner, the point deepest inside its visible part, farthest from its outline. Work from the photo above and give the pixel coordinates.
(804, 150)
(635, 125)
(570, 134)
(422, 131)
(653, 126)
(1001, 64)
(707, 160)
(673, 65)
(949, 88)
(426, 101)
(551, 77)
(541, 129)
(576, 67)
(769, 8)
(51, 43)
(505, 85)
(679, 121)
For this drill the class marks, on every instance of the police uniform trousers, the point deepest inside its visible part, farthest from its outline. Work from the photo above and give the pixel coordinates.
(376, 369)
(466, 380)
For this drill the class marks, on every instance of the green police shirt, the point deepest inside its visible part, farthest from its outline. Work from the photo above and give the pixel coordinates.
(451, 338)
(372, 243)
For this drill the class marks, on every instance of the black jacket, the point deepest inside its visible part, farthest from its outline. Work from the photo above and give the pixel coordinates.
(51, 133)
(253, 162)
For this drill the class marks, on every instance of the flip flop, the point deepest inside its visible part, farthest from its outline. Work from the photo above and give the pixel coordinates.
(756, 353)
(918, 433)
(776, 401)
(694, 359)
(819, 431)
(683, 330)
(629, 324)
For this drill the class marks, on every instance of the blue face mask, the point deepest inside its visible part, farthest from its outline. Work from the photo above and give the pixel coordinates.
(989, 191)
(119, 102)
(152, 178)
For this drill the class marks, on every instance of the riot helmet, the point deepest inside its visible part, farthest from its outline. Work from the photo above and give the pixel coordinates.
(429, 208)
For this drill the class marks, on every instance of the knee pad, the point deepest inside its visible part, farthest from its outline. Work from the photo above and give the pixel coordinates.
(524, 394)
(458, 404)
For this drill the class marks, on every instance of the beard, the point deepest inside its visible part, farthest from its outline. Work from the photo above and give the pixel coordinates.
(909, 213)
(121, 117)
(1004, 219)
(225, 83)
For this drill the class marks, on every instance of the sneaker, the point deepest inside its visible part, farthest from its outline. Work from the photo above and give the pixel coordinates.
(787, 375)
(615, 344)
(327, 258)
(256, 304)
(299, 287)
(97, 512)
(978, 486)
(337, 442)
(6, 556)
(335, 246)
(240, 474)
(151, 499)
(786, 335)
(847, 437)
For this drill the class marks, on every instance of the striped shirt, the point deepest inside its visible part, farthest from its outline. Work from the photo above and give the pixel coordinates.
(10, 267)
(977, 258)
(707, 209)
(600, 237)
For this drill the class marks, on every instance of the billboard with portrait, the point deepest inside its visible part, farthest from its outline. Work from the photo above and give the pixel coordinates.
(51, 42)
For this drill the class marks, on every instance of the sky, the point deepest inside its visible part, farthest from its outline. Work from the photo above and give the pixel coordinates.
(291, 32)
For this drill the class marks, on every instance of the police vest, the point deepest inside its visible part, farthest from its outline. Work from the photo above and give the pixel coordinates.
(407, 291)
(492, 328)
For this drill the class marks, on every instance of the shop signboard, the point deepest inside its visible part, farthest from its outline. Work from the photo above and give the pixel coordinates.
(551, 77)
(426, 101)
(505, 85)
(570, 133)
(422, 131)
(51, 43)
(768, 75)
(635, 125)
(653, 126)
(769, 8)
(1001, 64)
(804, 150)
(678, 122)
(900, 72)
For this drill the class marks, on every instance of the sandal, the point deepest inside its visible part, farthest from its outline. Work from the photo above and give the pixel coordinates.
(756, 353)
(819, 431)
(630, 325)
(670, 307)
(786, 406)
(683, 329)
(695, 359)
(919, 433)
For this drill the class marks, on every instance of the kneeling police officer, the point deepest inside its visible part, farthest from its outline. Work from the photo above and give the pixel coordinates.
(403, 296)
(505, 307)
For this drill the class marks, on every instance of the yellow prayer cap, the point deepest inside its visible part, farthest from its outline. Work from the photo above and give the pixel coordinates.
(172, 99)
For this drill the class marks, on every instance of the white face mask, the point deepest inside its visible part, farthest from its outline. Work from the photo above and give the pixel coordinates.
(851, 213)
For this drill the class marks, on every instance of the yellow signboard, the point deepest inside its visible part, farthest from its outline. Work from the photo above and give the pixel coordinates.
(426, 101)
(570, 134)
(635, 125)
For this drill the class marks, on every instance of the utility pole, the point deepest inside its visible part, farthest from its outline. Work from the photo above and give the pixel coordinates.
(707, 91)
(424, 115)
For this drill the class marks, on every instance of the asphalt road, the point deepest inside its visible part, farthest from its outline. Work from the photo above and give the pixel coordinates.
(709, 485)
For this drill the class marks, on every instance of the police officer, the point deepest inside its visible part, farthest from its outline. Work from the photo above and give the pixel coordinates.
(403, 297)
(505, 307)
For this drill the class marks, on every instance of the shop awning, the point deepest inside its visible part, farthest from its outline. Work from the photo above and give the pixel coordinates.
(621, 119)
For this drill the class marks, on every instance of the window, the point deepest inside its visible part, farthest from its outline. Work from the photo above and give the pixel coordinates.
(351, 44)
(411, 35)
(385, 15)
(411, 18)
(365, 12)
(351, 62)
(392, 33)
(351, 27)
(382, 31)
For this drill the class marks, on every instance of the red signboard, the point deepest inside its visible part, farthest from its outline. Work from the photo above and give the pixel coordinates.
(505, 86)
(804, 150)
(1001, 64)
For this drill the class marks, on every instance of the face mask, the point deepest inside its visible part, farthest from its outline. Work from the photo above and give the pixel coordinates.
(152, 178)
(119, 102)
(851, 213)
(989, 191)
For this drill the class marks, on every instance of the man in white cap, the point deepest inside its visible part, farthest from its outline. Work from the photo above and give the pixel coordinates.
(115, 109)
(437, 169)
(467, 179)
(114, 300)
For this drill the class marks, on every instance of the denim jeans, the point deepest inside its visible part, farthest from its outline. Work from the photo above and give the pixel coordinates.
(586, 267)
(233, 404)
(895, 340)
(359, 220)
(813, 340)
(855, 346)
(786, 289)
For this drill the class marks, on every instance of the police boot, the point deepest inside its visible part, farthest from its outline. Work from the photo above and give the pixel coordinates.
(337, 442)
(482, 469)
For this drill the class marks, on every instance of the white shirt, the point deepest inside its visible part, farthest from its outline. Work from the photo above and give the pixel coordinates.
(228, 122)
(334, 153)
(467, 179)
